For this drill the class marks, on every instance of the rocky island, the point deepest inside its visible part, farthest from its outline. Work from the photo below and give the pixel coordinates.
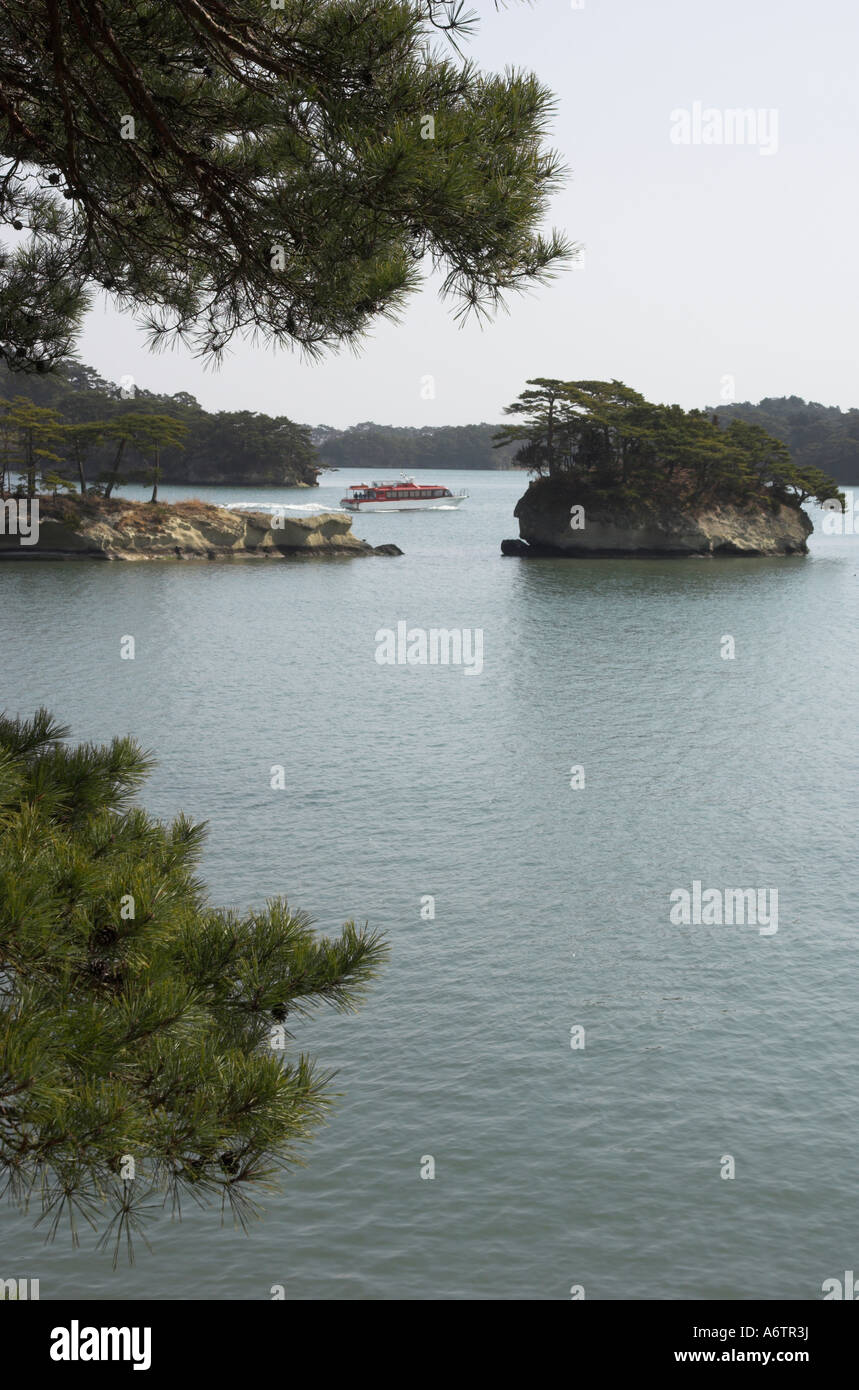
(89, 527)
(618, 475)
(554, 521)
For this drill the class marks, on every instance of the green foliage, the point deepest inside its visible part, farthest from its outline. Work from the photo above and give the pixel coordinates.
(55, 482)
(378, 449)
(135, 1019)
(613, 443)
(95, 416)
(148, 435)
(818, 436)
(29, 434)
(246, 168)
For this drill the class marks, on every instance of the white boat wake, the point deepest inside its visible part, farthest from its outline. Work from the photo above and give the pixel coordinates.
(305, 508)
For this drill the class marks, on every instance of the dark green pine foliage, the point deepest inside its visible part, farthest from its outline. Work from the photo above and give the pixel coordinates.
(818, 436)
(236, 446)
(283, 169)
(374, 449)
(158, 1036)
(611, 444)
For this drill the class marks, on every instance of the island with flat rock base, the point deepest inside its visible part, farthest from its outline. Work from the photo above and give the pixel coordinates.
(553, 521)
(80, 528)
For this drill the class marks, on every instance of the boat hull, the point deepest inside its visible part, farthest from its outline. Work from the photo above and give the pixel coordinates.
(405, 504)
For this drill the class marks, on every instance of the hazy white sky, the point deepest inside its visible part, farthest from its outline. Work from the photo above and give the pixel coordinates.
(703, 261)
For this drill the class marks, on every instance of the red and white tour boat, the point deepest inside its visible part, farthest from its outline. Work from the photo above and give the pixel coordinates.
(404, 496)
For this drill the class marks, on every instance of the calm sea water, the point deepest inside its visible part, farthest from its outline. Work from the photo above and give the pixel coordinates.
(554, 1166)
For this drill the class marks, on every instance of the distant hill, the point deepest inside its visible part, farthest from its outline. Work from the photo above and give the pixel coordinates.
(823, 436)
(236, 447)
(371, 448)
(819, 435)
(247, 448)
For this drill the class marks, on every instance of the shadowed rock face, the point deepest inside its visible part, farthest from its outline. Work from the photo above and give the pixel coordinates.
(714, 529)
(118, 530)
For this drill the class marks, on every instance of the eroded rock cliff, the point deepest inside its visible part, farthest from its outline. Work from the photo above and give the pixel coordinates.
(78, 528)
(549, 524)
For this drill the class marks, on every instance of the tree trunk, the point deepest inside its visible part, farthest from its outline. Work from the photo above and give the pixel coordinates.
(112, 483)
(31, 468)
(80, 463)
(550, 438)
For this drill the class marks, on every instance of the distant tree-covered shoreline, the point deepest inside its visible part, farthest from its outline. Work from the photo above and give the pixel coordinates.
(818, 436)
(93, 433)
(74, 426)
(97, 435)
(383, 448)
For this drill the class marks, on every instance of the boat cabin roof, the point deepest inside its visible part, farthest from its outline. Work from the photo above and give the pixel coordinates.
(393, 485)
